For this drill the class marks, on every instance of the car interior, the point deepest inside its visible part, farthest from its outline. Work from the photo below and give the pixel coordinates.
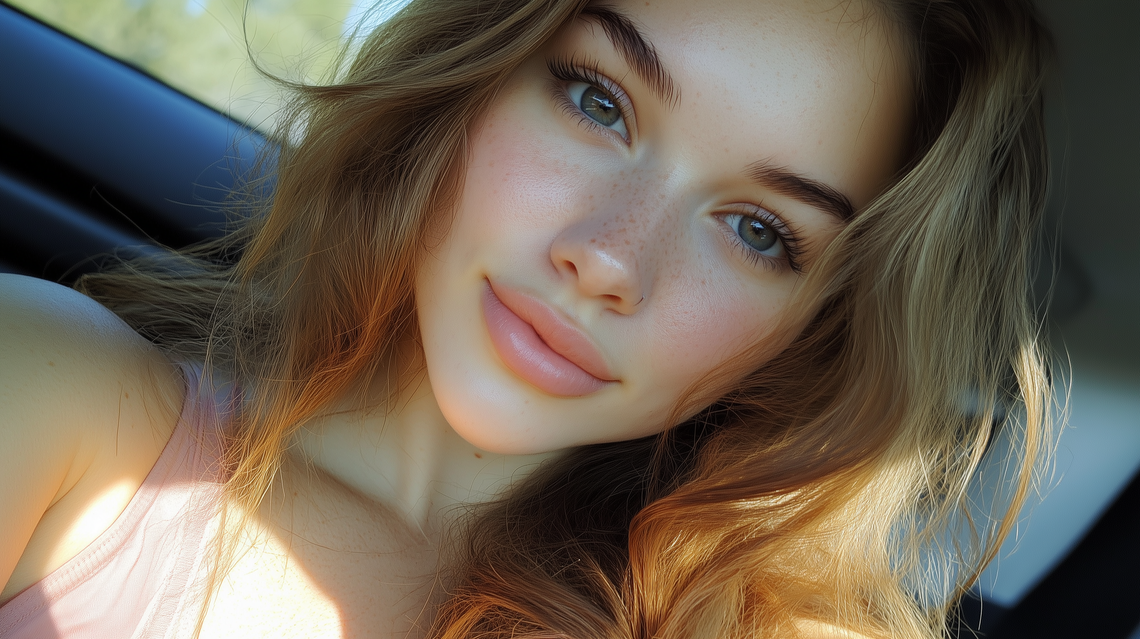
(99, 158)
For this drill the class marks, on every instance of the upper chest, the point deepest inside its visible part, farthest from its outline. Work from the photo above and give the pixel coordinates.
(318, 561)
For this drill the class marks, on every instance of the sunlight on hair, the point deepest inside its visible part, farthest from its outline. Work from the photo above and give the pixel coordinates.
(823, 489)
(366, 15)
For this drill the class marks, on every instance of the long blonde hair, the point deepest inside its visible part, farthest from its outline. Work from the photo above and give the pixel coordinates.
(818, 488)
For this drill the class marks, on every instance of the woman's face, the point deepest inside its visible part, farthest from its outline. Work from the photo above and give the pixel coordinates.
(640, 203)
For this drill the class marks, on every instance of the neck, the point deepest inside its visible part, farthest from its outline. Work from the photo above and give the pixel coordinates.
(404, 455)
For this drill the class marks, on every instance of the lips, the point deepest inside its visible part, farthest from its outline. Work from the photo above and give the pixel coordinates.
(539, 346)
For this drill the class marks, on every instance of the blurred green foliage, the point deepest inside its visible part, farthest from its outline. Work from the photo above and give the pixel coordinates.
(200, 46)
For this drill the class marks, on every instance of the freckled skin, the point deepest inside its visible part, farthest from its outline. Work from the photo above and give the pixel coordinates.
(627, 240)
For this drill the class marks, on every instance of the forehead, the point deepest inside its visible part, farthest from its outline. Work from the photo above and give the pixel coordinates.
(815, 86)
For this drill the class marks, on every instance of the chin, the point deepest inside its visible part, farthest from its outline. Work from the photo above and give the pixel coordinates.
(497, 413)
(492, 417)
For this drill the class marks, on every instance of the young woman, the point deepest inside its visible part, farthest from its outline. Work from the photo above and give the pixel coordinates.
(563, 319)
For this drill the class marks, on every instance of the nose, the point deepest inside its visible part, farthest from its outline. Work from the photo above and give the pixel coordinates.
(603, 262)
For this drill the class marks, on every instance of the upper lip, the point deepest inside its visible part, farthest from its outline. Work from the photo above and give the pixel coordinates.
(560, 335)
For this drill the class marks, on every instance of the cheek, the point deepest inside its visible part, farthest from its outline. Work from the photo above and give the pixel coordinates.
(517, 182)
(710, 320)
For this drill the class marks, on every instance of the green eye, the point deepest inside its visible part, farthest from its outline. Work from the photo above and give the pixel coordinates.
(760, 238)
(756, 234)
(600, 106)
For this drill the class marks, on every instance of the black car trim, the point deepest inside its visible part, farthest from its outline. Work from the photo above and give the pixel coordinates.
(161, 157)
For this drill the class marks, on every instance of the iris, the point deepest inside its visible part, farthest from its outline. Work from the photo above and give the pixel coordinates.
(600, 106)
(756, 234)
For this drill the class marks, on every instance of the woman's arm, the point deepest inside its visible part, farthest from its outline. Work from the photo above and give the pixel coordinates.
(86, 406)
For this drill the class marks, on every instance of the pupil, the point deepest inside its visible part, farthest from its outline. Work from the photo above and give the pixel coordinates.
(756, 235)
(600, 106)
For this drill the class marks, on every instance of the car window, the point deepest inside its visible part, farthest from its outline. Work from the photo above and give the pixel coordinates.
(199, 46)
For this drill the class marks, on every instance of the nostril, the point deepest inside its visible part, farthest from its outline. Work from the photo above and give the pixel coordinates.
(573, 268)
(596, 271)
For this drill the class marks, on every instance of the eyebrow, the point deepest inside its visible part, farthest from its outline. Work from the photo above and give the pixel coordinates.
(639, 54)
(806, 190)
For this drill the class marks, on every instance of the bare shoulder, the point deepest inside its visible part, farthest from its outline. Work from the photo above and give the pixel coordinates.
(62, 353)
(86, 406)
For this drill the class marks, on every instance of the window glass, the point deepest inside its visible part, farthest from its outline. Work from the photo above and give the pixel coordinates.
(199, 46)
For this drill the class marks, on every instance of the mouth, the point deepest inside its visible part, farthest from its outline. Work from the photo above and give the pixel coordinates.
(540, 347)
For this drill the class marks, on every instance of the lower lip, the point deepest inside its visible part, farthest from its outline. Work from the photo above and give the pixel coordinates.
(524, 352)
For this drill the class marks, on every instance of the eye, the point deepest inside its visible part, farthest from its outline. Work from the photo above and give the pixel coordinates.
(599, 105)
(763, 239)
(587, 94)
(757, 234)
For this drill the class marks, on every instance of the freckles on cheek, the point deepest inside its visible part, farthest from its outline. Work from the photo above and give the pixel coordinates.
(700, 332)
(516, 179)
(490, 172)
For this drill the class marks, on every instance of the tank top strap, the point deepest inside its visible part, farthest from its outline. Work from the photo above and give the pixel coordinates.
(143, 576)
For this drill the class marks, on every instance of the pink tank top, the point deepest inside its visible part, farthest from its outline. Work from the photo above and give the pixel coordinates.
(144, 576)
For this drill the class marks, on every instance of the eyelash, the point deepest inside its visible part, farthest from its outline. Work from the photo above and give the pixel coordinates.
(586, 71)
(793, 246)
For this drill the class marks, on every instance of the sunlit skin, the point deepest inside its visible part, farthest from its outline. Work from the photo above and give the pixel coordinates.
(628, 234)
(627, 238)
